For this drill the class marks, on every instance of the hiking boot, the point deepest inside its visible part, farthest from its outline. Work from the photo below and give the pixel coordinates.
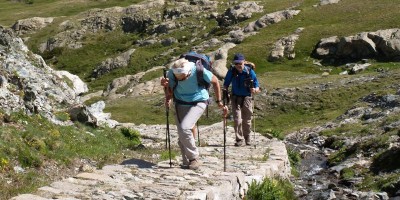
(183, 166)
(247, 139)
(239, 143)
(194, 164)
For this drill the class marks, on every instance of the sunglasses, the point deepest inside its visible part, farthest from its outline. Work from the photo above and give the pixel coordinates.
(238, 63)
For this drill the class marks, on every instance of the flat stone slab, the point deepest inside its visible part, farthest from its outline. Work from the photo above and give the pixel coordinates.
(138, 179)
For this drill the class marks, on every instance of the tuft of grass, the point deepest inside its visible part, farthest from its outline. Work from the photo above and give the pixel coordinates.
(347, 173)
(165, 154)
(62, 116)
(270, 189)
(33, 143)
(374, 144)
(295, 161)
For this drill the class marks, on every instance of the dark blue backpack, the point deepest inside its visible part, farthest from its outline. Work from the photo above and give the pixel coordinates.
(201, 61)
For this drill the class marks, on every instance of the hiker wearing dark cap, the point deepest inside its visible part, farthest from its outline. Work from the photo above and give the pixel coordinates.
(190, 101)
(244, 86)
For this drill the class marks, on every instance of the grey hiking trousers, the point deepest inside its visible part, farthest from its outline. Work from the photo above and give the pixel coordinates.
(242, 109)
(186, 117)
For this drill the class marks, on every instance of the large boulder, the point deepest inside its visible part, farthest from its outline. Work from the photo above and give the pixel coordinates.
(30, 25)
(238, 13)
(27, 83)
(110, 64)
(381, 45)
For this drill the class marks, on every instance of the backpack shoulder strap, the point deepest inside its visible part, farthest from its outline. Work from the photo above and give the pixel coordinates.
(176, 84)
(200, 74)
(248, 69)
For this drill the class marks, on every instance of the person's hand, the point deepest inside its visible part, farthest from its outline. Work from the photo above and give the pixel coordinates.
(167, 102)
(254, 90)
(164, 82)
(225, 111)
(224, 108)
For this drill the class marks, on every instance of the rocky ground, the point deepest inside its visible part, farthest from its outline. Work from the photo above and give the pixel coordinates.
(139, 179)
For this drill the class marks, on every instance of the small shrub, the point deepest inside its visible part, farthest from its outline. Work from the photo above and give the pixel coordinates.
(347, 173)
(275, 133)
(4, 164)
(62, 116)
(270, 189)
(266, 154)
(294, 159)
(28, 159)
(37, 144)
(165, 155)
(132, 135)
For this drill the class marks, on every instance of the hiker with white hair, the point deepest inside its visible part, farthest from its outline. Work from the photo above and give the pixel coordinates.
(190, 100)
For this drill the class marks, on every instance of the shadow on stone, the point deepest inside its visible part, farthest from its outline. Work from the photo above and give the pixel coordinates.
(139, 163)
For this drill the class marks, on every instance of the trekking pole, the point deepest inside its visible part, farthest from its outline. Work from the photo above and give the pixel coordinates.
(252, 114)
(198, 133)
(165, 92)
(167, 132)
(224, 101)
(254, 122)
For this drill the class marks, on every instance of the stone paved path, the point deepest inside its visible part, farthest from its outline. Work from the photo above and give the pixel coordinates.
(138, 179)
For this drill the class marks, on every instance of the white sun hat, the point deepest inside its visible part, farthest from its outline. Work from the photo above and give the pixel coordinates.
(181, 66)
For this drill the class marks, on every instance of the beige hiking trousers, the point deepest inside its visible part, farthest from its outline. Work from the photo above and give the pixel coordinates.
(186, 117)
(242, 109)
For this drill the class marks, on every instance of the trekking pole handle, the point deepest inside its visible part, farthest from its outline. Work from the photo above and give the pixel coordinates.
(165, 88)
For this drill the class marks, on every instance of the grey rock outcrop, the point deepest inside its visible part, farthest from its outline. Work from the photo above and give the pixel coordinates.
(113, 63)
(270, 18)
(134, 85)
(24, 26)
(148, 17)
(284, 47)
(28, 83)
(74, 81)
(238, 13)
(327, 2)
(381, 45)
(239, 34)
(220, 57)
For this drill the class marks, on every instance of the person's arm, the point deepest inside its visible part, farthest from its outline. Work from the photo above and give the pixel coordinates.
(228, 79)
(256, 88)
(217, 91)
(218, 96)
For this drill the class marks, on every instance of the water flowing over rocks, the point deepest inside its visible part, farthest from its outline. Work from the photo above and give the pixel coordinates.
(321, 179)
(139, 179)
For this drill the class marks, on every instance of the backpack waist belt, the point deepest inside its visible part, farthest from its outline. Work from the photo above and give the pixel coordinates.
(241, 95)
(190, 103)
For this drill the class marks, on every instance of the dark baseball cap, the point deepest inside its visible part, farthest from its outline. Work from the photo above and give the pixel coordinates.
(238, 58)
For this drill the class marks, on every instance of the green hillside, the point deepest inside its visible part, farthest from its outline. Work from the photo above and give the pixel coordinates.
(343, 19)
(273, 117)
